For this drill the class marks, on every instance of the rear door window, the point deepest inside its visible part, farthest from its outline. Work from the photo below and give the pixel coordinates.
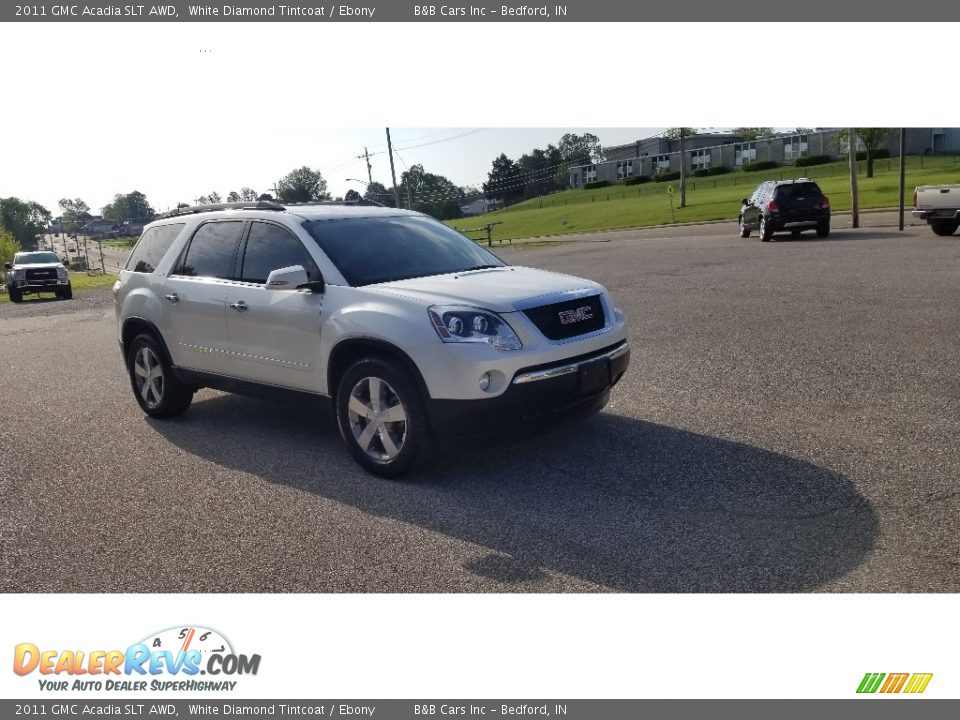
(152, 247)
(212, 251)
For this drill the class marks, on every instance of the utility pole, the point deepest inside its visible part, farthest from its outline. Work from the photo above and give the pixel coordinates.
(366, 156)
(393, 173)
(854, 195)
(103, 266)
(683, 169)
(903, 174)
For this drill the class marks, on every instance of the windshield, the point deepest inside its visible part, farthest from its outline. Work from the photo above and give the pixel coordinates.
(34, 258)
(379, 249)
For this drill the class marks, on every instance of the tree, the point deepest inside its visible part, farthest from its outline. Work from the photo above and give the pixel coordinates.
(248, 194)
(24, 220)
(580, 149)
(265, 197)
(752, 133)
(675, 133)
(378, 193)
(132, 206)
(303, 185)
(8, 247)
(352, 195)
(233, 196)
(872, 138)
(72, 212)
(431, 194)
(504, 180)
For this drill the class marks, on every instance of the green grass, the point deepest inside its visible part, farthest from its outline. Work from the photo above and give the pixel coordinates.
(80, 282)
(714, 198)
(121, 242)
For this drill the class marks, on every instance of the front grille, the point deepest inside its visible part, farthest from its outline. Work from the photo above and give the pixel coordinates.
(41, 276)
(569, 318)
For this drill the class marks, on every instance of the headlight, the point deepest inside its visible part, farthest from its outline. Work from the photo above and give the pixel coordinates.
(465, 324)
(62, 273)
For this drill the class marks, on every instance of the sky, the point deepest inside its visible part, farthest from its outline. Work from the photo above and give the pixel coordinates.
(181, 163)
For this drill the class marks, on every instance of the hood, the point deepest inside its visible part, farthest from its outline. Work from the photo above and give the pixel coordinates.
(38, 266)
(504, 289)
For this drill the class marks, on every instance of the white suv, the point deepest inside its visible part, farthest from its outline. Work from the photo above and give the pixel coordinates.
(417, 333)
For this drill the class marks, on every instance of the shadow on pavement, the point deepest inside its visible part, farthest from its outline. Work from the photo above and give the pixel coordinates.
(629, 505)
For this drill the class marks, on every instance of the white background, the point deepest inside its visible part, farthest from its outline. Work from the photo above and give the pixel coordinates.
(433, 75)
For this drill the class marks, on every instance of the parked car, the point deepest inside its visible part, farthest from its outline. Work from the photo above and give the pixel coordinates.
(32, 273)
(785, 205)
(939, 205)
(417, 334)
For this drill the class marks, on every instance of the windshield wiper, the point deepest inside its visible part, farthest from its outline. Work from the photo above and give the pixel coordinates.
(479, 267)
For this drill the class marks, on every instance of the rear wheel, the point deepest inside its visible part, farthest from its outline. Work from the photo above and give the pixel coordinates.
(766, 231)
(823, 229)
(381, 417)
(944, 227)
(744, 230)
(158, 391)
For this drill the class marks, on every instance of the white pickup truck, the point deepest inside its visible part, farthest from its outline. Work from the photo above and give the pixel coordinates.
(939, 205)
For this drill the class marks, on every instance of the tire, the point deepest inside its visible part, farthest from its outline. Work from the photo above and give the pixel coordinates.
(15, 295)
(66, 294)
(391, 447)
(744, 230)
(944, 227)
(766, 232)
(157, 390)
(823, 229)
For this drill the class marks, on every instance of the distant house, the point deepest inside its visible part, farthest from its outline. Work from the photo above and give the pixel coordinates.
(99, 226)
(480, 205)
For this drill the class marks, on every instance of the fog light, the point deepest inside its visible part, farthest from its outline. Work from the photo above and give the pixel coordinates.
(484, 381)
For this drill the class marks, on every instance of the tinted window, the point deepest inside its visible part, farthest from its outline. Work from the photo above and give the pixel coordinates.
(212, 250)
(377, 249)
(152, 247)
(270, 247)
(793, 190)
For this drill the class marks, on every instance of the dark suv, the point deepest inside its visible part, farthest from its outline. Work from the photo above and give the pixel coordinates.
(778, 206)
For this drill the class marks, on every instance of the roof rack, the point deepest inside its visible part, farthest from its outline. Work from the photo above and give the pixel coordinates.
(193, 209)
(360, 202)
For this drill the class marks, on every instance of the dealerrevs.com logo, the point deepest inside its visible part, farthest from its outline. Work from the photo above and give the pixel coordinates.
(892, 683)
(172, 659)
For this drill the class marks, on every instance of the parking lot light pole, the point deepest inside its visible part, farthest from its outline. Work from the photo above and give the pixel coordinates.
(903, 174)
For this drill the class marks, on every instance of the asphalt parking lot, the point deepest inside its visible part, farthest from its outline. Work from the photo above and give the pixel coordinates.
(789, 423)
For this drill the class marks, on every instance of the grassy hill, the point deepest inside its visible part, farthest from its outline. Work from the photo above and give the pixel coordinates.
(713, 198)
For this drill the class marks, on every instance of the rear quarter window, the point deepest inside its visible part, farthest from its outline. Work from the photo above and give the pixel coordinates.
(153, 245)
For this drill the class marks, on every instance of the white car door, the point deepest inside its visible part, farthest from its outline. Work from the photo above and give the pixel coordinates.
(273, 335)
(195, 296)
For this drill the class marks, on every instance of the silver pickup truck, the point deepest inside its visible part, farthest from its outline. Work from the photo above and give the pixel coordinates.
(939, 205)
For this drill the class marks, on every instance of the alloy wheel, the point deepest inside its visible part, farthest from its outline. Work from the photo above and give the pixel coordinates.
(378, 419)
(149, 377)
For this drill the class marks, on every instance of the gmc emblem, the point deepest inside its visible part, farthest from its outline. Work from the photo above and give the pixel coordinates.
(568, 317)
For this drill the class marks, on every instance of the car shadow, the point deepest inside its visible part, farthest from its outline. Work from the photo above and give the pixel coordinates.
(628, 505)
(865, 233)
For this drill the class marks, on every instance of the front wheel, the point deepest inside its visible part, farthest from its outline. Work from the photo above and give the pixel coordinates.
(15, 295)
(944, 227)
(158, 391)
(381, 417)
(66, 294)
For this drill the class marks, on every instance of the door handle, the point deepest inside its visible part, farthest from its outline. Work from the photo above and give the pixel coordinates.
(239, 306)
(173, 297)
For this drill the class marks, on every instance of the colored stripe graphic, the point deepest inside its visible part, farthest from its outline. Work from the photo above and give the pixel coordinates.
(870, 682)
(918, 683)
(894, 683)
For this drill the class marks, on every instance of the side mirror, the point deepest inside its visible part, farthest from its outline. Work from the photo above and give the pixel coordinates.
(8, 266)
(744, 202)
(292, 278)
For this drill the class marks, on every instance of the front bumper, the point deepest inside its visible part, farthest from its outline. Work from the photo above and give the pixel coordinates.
(48, 286)
(537, 396)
